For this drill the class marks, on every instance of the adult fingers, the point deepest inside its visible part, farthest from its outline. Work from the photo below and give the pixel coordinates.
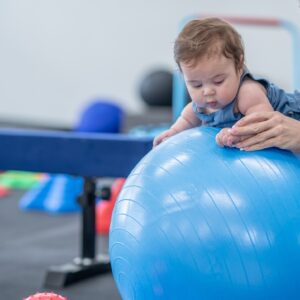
(252, 129)
(258, 139)
(261, 145)
(254, 118)
(257, 122)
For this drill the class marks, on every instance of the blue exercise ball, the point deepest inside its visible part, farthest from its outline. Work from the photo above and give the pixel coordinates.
(100, 115)
(197, 221)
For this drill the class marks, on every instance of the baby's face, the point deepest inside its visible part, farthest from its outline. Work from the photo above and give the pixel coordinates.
(212, 82)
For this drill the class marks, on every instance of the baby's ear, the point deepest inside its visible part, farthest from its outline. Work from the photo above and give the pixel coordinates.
(241, 62)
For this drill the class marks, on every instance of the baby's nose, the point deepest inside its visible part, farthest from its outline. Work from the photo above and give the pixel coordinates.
(208, 91)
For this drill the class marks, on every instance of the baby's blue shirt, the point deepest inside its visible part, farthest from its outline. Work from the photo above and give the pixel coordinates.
(286, 103)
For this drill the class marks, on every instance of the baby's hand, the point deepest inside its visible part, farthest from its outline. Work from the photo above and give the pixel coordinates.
(163, 136)
(225, 138)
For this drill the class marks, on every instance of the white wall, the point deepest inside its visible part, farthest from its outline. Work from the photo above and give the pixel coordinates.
(55, 55)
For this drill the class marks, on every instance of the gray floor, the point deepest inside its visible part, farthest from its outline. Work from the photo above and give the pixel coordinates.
(33, 241)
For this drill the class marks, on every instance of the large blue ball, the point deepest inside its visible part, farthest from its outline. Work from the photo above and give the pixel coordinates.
(196, 221)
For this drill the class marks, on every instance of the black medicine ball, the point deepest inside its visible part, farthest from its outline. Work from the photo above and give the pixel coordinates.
(156, 88)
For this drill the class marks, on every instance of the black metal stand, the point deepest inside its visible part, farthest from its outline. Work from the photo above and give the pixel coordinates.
(88, 264)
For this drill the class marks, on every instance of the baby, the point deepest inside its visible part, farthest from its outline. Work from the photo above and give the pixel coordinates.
(210, 54)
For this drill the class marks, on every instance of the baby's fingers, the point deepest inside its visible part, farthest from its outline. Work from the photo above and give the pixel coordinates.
(160, 138)
(219, 139)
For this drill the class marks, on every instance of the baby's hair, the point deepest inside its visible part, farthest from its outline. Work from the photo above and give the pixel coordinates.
(208, 37)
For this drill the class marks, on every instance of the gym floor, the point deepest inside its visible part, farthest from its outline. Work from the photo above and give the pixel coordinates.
(33, 241)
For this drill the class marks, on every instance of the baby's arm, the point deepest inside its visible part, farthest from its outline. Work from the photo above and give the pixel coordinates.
(252, 97)
(186, 120)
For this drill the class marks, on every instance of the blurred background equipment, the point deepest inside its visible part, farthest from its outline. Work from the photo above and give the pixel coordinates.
(100, 115)
(156, 88)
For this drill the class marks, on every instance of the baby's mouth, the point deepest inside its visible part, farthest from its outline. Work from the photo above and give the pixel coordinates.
(212, 104)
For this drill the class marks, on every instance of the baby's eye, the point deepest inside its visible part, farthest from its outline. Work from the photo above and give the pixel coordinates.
(197, 86)
(217, 82)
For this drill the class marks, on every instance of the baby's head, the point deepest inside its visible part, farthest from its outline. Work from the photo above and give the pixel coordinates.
(210, 55)
(206, 38)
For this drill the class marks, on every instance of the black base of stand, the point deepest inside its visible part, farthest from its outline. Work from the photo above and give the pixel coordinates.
(88, 264)
(66, 274)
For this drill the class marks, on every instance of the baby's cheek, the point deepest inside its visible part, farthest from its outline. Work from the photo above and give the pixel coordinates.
(196, 97)
(228, 94)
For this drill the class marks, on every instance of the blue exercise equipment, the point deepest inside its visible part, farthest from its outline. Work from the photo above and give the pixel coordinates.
(78, 154)
(59, 193)
(151, 130)
(87, 155)
(103, 116)
(197, 221)
(54, 194)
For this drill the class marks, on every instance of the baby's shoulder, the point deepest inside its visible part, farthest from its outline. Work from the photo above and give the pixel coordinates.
(251, 93)
(251, 88)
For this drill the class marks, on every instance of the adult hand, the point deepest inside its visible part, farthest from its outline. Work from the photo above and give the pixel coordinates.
(267, 129)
